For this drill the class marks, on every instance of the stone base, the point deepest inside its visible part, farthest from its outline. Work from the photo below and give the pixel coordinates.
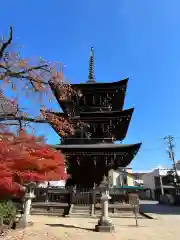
(21, 224)
(99, 228)
(104, 226)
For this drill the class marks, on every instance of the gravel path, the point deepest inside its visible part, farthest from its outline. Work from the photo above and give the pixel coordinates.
(165, 226)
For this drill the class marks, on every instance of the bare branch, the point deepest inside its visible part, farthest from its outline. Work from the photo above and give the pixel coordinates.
(6, 117)
(6, 44)
(9, 73)
(37, 77)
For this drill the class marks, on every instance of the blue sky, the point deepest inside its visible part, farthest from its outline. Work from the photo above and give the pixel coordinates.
(136, 39)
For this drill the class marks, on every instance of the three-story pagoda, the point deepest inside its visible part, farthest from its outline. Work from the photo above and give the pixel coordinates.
(91, 152)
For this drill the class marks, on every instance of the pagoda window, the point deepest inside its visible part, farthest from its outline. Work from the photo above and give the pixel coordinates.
(109, 108)
(107, 102)
(94, 161)
(109, 97)
(108, 130)
(87, 99)
(111, 161)
(104, 102)
(94, 100)
(78, 160)
(100, 100)
(94, 128)
(106, 160)
(102, 127)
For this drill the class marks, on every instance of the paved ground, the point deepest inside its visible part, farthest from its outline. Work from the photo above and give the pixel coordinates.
(154, 207)
(165, 226)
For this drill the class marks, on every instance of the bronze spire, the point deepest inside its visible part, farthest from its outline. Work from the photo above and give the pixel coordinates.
(91, 77)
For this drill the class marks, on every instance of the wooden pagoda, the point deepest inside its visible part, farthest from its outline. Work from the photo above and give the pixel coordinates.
(91, 152)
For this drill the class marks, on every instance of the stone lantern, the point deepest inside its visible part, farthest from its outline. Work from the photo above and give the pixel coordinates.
(29, 195)
(104, 223)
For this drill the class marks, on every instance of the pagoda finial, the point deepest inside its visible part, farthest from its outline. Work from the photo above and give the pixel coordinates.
(91, 77)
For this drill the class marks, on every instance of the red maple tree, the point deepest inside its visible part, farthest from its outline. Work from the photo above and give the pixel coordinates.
(24, 159)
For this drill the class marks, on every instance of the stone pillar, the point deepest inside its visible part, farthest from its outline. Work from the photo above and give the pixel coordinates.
(105, 223)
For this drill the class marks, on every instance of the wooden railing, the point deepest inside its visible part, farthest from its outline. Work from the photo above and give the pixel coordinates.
(83, 197)
(61, 198)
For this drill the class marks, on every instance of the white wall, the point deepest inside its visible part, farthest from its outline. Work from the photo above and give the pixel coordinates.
(114, 179)
(148, 178)
(178, 165)
(60, 183)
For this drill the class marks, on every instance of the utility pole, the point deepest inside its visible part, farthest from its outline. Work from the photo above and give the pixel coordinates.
(171, 155)
(161, 185)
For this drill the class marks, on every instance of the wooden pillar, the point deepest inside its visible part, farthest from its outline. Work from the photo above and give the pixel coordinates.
(93, 203)
(71, 200)
(47, 193)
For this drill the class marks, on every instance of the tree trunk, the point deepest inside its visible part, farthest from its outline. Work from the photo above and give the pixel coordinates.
(1, 225)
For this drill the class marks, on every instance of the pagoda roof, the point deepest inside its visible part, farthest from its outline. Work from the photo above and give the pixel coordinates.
(104, 146)
(98, 114)
(124, 152)
(101, 85)
(106, 114)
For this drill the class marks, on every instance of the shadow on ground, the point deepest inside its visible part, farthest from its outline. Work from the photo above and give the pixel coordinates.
(70, 226)
(155, 207)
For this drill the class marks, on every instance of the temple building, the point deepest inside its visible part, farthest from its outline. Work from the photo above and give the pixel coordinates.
(91, 152)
